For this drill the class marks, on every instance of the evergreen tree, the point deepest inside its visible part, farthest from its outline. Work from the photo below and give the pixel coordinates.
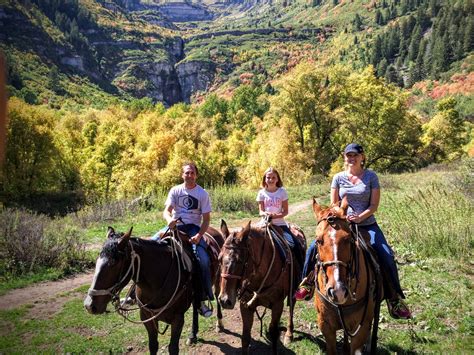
(376, 51)
(391, 74)
(414, 43)
(53, 80)
(468, 40)
(379, 20)
(382, 68)
(357, 22)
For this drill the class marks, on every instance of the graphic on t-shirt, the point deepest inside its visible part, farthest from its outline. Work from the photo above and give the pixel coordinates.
(188, 202)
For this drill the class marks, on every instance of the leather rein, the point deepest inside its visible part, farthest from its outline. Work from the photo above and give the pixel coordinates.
(244, 274)
(134, 273)
(353, 273)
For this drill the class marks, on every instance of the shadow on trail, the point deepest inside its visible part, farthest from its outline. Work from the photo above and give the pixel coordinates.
(318, 340)
(256, 346)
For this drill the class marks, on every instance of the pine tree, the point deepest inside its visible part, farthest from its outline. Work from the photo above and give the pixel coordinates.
(468, 41)
(379, 18)
(391, 74)
(376, 51)
(382, 67)
(414, 43)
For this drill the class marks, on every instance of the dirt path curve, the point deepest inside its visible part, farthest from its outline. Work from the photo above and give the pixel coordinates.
(47, 298)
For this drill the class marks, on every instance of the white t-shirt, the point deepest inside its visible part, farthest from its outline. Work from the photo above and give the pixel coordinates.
(189, 204)
(273, 202)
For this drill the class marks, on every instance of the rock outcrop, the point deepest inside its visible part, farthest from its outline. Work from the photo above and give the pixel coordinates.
(195, 76)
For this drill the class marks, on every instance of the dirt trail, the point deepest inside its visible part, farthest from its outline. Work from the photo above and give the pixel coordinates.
(47, 298)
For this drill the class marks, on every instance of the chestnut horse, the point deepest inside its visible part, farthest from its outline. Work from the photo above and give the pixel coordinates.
(254, 272)
(161, 272)
(348, 281)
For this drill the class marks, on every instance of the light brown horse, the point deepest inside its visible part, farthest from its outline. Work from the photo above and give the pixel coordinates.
(254, 272)
(162, 277)
(348, 283)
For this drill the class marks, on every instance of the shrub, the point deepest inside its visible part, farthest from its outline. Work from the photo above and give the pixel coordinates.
(231, 198)
(30, 242)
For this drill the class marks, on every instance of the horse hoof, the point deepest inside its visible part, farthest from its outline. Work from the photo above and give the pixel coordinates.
(219, 327)
(191, 341)
(287, 340)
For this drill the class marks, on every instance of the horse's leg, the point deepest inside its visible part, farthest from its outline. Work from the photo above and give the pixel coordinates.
(274, 329)
(345, 346)
(290, 327)
(152, 330)
(358, 342)
(192, 338)
(247, 322)
(176, 329)
(330, 337)
(219, 323)
(217, 290)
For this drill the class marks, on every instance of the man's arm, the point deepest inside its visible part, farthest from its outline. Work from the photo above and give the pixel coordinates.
(168, 216)
(206, 218)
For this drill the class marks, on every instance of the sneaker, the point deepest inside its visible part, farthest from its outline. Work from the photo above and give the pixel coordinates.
(398, 309)
(204, 310)
(304, 293)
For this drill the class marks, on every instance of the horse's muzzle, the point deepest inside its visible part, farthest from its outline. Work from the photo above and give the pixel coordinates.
(94, 307)
(339, 294)
(226, 301)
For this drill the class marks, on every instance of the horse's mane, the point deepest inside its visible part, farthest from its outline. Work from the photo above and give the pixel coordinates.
(111, 249)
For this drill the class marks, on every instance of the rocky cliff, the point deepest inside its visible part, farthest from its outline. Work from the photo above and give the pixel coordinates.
(195, 76)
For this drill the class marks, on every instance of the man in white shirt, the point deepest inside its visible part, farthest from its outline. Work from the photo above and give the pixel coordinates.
(189, 209)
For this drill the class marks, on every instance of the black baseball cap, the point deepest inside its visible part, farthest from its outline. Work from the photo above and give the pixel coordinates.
(354, 148)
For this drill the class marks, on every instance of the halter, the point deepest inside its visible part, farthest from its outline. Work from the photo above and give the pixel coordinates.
(244, 268)
(353, 264)
(114, 290)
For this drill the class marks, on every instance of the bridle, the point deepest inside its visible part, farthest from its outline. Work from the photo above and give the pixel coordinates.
(243, 287)
(244, 262)
(353, 273)
(351, 266)
(114, 290)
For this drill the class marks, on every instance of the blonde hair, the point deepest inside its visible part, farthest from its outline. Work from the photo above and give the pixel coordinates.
(271, 170)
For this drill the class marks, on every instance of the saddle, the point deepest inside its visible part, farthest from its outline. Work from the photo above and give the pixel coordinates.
(188, 255)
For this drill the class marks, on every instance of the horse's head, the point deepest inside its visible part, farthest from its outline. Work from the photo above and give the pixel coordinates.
(335, 250)
(112, 272)
(233, 260)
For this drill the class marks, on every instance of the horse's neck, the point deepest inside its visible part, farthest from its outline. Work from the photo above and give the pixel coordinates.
(265, 256)
(152, 259)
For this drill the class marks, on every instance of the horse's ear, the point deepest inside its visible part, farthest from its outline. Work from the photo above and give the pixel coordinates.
(224, 229)
(316, 207)
(246, 231)
(110, 232)
(344, 205)
(125, 238)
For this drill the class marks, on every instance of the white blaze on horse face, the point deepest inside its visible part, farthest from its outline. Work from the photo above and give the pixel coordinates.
(332, 235)
(98, 266)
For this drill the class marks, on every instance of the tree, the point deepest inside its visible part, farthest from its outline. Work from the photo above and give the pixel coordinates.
(414, 43)
(249, 102)
(54, 81)
(376, 115)
(446, 133)
(32, 158)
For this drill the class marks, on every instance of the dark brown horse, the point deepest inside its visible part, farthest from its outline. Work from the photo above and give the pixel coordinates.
(253, 271)
(348, 284)
(161, 274)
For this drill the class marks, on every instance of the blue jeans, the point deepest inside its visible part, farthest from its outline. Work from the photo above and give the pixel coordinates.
(310, 260)
(384, 254)
(293, 243)
(200, 252)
